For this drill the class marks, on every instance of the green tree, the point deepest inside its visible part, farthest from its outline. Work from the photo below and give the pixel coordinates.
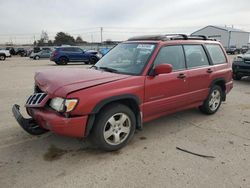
(50, 43)
(64, 38)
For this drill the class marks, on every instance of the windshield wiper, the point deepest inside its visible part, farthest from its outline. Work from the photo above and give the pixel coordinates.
(108, 69)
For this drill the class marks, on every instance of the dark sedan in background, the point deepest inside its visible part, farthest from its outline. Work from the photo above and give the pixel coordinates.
(241, 66)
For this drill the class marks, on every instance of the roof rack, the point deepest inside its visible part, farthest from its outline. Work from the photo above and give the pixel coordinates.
(167, 37)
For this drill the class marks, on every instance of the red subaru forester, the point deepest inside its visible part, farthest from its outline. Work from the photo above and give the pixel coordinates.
(137, 81)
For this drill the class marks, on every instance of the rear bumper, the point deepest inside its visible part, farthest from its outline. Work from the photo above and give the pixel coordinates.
(229, 86)
(49, 120)
(52, 58)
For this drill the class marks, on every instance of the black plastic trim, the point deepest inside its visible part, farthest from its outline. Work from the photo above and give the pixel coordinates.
(214, 83)
(98, 107)
(29, 125)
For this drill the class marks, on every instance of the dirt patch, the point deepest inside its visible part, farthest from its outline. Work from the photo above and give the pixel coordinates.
(248, 93)
(54, 153)
(245, 107)
(143, 138)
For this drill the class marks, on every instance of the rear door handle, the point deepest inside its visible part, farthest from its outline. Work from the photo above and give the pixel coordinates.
(209, 70)
(181, 76)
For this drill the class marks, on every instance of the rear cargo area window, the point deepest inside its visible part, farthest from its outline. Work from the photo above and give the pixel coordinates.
(216, 53)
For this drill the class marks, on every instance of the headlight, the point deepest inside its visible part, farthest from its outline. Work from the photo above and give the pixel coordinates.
(238, 58)
(63, 105)
(99, 55)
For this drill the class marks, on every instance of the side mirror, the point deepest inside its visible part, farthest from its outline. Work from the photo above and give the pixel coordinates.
(163, 69)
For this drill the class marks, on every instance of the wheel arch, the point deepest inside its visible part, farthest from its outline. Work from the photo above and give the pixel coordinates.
(132, 101)
(222, 83)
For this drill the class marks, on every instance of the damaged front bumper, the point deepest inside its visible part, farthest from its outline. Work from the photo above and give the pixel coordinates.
(28, 124)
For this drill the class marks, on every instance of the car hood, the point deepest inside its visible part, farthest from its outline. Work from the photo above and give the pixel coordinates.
(244, 56)
(61, 82)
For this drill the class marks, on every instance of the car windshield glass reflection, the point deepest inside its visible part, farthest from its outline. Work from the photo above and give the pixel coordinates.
(126, 58)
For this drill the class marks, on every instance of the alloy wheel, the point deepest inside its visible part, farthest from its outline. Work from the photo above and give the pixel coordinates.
(215, 100)
(117, 129)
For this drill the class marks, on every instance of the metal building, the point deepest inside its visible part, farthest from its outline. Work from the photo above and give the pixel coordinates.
(228, 36)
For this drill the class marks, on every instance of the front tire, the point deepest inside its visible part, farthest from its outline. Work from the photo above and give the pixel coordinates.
(114, 127)
(213, 101)
(36, 57)
(2, 57)
(92, 60)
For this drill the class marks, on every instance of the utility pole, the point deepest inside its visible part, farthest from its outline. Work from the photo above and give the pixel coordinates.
(101, 33)
(34, 40)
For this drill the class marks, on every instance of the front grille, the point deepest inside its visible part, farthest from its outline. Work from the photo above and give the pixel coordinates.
(36, 99)
(247, 61)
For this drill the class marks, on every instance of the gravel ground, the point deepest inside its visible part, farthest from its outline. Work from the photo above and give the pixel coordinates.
(151, 158)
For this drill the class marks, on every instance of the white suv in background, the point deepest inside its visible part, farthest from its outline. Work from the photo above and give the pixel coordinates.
(6, 52)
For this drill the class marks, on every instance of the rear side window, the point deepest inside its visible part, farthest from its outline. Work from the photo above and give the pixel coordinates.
(195, 56)
(171, 55)
(65, 49)
(216, 54)
(78, 50)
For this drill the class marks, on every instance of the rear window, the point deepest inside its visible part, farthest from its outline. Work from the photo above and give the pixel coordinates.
(195, 56)
(216, 54)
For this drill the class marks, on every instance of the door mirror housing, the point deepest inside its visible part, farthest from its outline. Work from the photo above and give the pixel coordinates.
(163, 69)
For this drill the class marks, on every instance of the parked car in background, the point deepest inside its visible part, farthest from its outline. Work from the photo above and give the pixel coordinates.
(21, 51)
(241, 66)
(5, 52)
(244, 49)
(95, 52)
(232, 50)
(41, 54)
(11, 50)
(104, 51)
(139, 80)
(64, 55)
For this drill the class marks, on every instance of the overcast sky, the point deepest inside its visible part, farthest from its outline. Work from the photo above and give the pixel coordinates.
(21, 20)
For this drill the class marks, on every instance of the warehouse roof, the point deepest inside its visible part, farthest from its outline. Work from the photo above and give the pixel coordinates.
(229, 29)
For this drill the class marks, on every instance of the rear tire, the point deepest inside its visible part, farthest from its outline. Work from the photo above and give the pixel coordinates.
(63, 61)
(213, 101)
(114, 127)
(36, 57)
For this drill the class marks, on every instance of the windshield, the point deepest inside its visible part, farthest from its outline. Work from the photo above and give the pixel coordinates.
(127, 58)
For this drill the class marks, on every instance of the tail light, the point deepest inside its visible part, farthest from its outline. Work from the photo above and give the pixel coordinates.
(54, 53)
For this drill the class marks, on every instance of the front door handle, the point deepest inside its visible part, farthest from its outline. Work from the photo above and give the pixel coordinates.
(181, 76)
(209, 70)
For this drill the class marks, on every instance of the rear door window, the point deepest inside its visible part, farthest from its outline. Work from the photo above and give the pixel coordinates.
(216, 53)
(171, 55)
(195, 56)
